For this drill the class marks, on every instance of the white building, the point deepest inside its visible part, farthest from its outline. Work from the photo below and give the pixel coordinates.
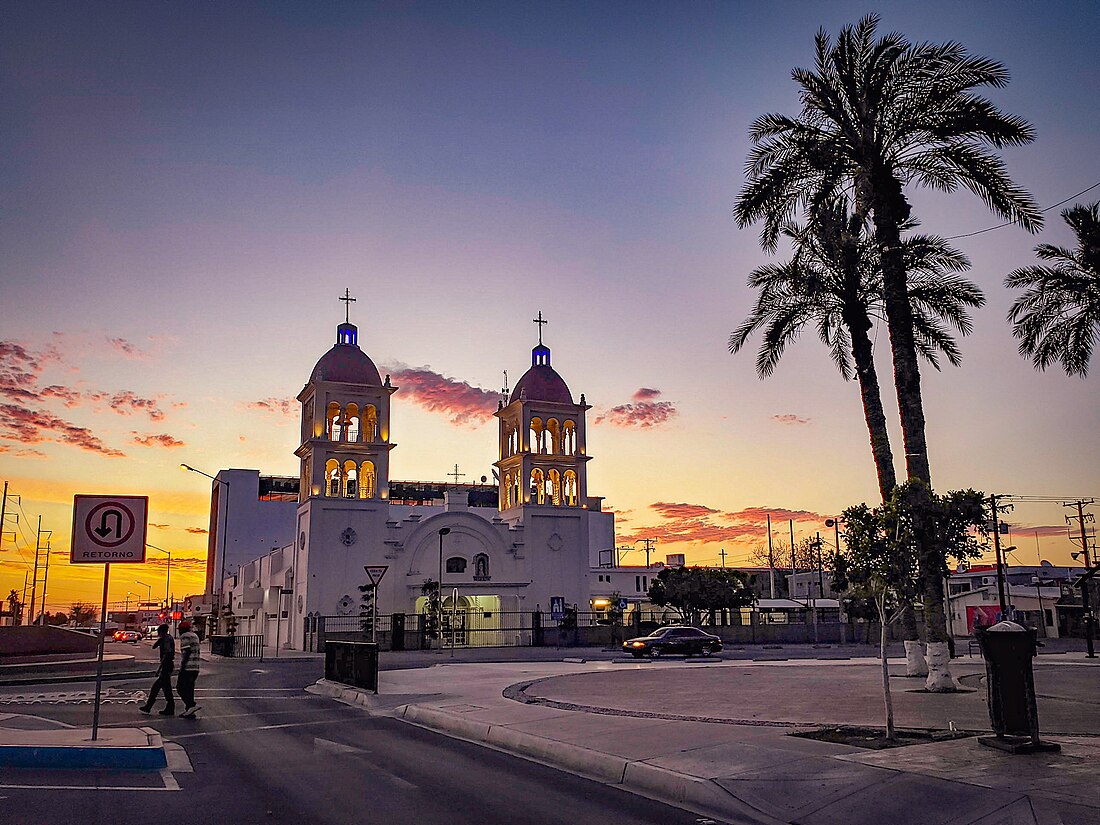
(540, 538)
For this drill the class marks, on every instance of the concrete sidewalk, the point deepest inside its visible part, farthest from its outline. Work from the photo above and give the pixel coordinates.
(33, 742)
(744, 768)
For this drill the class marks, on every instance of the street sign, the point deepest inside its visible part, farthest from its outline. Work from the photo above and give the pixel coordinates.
(622, 604)
(557, 608)
(376, 572)
(109, 529)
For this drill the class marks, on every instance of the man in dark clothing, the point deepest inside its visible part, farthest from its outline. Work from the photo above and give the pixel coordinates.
(167, 647)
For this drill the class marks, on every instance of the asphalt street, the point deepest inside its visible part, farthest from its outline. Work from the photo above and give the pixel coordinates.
(264, 751)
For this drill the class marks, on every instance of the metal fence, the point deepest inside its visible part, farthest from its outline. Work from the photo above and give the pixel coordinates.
(238, 647)
(474, 628)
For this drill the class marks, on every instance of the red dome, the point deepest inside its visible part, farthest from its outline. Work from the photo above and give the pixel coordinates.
(347, 364)
(542, 383)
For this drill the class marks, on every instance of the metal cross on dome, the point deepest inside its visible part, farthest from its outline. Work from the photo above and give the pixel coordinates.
(540, 321)
(348, 301)
(456, 474)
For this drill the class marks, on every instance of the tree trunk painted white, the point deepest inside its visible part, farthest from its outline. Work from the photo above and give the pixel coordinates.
(939, 669)
(915, 663)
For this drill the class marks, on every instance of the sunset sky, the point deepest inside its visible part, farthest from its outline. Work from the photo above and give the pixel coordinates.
(188, 187)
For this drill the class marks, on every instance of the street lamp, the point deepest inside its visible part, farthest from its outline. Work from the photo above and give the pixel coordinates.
(148, 590)
(439, 584)
(167, 578)
(225, 523)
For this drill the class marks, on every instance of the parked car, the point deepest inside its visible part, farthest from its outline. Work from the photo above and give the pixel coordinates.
(665, 640)
(129, 636)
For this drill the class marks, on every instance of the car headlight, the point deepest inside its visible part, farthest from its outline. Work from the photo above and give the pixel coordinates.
(637, 644)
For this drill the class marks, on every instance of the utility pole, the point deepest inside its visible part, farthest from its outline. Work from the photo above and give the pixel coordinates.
(723, 554)
(1000, 563)
(771, 557)
(34, 578)
(3, 513)
(648, 546)
(1081, 518)
(46, 575)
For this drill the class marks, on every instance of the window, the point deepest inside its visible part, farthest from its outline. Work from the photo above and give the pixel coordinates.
(481, 567)
(456, 564)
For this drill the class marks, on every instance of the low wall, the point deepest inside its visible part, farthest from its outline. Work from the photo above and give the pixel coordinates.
(41, 641)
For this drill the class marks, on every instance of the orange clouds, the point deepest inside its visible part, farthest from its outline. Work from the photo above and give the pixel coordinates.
(162, 440)
(698, 523)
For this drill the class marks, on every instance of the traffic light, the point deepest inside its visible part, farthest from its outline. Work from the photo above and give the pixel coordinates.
(177, 615)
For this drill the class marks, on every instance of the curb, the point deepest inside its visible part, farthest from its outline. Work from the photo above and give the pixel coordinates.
(148, 757)
(693, 793)
(108, 676)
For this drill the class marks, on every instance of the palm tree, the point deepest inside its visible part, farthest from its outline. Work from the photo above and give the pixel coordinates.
(834, 283)
(877, 115)
(1057, 318)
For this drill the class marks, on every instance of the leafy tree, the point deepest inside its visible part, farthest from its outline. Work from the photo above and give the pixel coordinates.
(366, 607)
(883, 552)
(879, 114)
(834, 283)
(56, 619)
(82, 614)
(693, 589)
(432, 616)
(1057, 318)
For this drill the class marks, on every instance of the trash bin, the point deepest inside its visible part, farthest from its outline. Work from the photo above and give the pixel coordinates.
(1008, 650)
(397, 631)
(352, 663)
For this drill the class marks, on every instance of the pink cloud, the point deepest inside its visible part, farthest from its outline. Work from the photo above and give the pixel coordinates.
(461, 402)
(29, 426)
(682, 511)
(128, 349)
(162, 440)
(791, 420)
(643, 412)
(276, 406)
(698, 523)
(127, 403)
(20, 369)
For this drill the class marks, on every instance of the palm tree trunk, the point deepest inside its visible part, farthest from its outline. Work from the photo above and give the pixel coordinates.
(871, 393)
(899, 319)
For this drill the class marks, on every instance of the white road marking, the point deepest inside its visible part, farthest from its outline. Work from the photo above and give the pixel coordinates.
(342, 720)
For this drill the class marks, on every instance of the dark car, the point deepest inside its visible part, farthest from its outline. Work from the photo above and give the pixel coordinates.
(665, 640)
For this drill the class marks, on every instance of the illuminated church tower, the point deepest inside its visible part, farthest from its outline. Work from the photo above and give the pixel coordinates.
(542, 439)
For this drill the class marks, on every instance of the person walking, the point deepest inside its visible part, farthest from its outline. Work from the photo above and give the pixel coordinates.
(189, 669)
(167, 647)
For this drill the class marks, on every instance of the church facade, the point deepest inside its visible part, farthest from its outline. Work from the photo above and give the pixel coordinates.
(535, 537)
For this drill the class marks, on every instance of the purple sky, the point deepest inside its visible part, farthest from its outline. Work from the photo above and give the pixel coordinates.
(202, 180)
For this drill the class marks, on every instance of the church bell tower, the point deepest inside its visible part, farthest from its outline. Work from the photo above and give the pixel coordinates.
(542, 442)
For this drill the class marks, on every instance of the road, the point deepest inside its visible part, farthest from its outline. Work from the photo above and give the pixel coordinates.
(265, 751)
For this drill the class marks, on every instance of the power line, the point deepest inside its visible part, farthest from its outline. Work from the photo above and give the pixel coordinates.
(1011, 223)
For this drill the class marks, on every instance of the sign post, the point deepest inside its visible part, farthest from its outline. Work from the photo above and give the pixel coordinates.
(375, 573)
(105, 530)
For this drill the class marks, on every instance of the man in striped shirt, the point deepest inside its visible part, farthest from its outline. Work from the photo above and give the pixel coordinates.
(189, 668)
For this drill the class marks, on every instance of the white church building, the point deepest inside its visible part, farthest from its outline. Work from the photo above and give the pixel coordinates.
(515, 546)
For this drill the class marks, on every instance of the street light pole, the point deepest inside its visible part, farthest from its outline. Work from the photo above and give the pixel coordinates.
(222, 528)
(167, 578)
(439, 584)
